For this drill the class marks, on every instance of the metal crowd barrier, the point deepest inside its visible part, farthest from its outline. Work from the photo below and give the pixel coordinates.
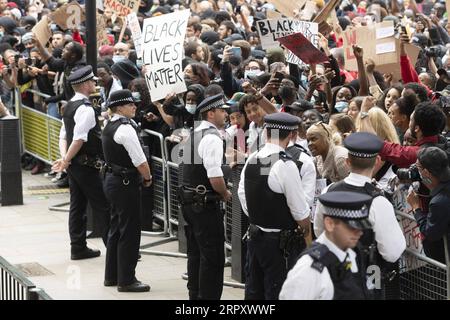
(15, 286)
(421, 278)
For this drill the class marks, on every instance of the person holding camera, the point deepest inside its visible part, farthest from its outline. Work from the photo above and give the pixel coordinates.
(126, 162)
(434, 172)
(272, 195)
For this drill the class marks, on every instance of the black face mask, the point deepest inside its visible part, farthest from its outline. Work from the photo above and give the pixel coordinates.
(286, 93)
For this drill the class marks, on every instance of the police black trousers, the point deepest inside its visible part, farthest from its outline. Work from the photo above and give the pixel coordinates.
(205, 249)
(85, 185)
(125, 231)
(265, 267)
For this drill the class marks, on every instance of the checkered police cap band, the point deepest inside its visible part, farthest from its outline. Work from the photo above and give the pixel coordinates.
(362, 155)
(347, 213)
(216, 104)
(281, 126)
(128, 99)
(85, 78)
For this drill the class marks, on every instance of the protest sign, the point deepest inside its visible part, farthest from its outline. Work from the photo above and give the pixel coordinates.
(136, 33)
(270, 30)
(303, 48)
(287, 7)
(321, 18)
(162, 52)
(122, 7)
(380, 45)
(69, 16)
(102, 37)
(42, 31)
(273, 14)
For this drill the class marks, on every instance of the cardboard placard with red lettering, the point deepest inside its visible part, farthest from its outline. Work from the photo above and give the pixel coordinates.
(122, 7)
(69, 16)
(162, 53)
(379, 44)
(303, 48)
(136, 33)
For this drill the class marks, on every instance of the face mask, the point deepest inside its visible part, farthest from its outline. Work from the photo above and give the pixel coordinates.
(136, 96)
(251, 73)
(191, 108)
(304, 81)
(139, 63)
(117, 58)
(341, 105)
(425, 180)
(2, 34)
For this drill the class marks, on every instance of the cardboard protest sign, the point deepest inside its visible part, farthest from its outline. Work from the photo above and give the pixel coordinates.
(162, 52)
(68, 16)
(380, 45)
(287, 7)
(122, 7)
(102, 37)
(136, 33)
(42, 31)
(321, 18)
(273, 14)
(303, 48)
(270, 30)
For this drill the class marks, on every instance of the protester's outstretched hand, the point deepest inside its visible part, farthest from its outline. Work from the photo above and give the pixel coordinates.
(370, 66)
(368, 103)
(272, 86)
(358, 51)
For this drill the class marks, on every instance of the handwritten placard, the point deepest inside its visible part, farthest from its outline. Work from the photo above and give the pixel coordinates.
(69, 16)
(42, 31)
(122, 8)
(135, 28)
(162, 52)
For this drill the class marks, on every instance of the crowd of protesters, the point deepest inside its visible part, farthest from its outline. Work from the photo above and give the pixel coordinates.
(409, 114)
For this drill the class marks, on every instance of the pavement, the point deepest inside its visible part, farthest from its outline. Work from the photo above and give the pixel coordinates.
(37, 240)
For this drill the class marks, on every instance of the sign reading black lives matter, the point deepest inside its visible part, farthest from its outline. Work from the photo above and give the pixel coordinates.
(162, 53)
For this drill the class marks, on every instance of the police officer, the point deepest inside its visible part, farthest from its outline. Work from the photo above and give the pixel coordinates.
(384, 243)
(328, 269)
(126, 163)
(81, 151)
(203, 186)
(271, 194)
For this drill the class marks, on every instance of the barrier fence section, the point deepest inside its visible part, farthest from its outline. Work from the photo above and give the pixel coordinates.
(421, 278)
(15, 286)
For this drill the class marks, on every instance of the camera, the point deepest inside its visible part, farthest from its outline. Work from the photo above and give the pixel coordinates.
(435, 51)
(410, 174)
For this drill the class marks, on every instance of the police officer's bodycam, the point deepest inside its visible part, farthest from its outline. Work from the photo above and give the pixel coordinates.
(126, 164)
(383, 244)
(328, 269)
(203, 186)
(81, 151)
(271, 193)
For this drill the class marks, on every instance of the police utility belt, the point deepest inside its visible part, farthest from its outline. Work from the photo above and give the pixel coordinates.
(89, 161)
(199, 195)
(125, 173)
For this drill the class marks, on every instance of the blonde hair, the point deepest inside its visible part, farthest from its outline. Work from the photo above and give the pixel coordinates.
(325, 131)
(382, 125)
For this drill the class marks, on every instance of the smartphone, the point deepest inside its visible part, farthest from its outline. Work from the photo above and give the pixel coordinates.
(279, 76)
(236, 51)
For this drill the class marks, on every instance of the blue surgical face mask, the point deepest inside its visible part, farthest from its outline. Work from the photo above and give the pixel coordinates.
(304, 80)
(190, 108)
(139, 63)
(117, 58)
(341, 105)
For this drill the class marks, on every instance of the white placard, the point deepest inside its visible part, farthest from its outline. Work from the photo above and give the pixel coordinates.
(321, 184)
(271, 29)
(135, 28)
(162, 52)
(385, 32)
(385, 47)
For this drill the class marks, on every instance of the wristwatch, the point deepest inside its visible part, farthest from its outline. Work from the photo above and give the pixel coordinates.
(363, 114)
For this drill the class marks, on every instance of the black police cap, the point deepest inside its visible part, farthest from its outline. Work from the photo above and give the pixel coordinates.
(363, 144)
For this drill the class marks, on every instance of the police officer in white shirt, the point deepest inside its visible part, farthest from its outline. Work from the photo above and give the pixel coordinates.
(126, 166)
(82, 154)
(329, 268)
(203, 186)
(384, 243)
(271, 194)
